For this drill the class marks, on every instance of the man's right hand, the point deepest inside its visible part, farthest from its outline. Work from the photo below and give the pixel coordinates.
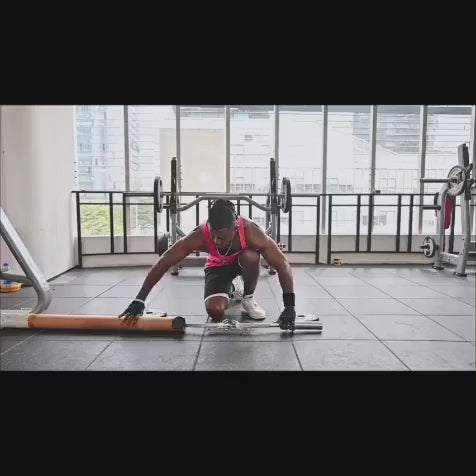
(133, 312)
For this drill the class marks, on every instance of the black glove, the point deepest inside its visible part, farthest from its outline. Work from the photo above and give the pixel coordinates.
(133, 311)
(288, 316)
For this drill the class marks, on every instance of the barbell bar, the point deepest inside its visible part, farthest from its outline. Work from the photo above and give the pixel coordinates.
(284, 198)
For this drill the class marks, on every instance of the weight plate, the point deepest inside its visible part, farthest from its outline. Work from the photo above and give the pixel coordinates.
(158, 195)
(286, 198)
(458, 177)
(429, 247)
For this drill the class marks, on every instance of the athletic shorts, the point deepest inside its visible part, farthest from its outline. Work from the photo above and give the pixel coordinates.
(218, 279)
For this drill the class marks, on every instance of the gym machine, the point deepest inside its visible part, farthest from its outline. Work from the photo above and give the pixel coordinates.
(458, 183)
(33, 274)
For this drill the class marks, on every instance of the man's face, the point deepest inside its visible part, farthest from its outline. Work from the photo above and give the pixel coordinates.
(222, 237)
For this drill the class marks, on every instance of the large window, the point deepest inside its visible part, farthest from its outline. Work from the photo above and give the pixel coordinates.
(100, 147)
(348, 159)
(151, 143)
(448, 127)
(300, 147)
(397, 149)
(251, 147)
(300, 159)
(202, 145)
(348, 149)
(151, 146)
(103, 164)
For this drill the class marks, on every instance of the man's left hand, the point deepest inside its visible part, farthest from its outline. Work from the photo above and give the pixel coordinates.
(287, 318)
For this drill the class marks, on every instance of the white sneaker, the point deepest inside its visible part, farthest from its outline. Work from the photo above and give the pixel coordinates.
(253, 309)
(236, 294)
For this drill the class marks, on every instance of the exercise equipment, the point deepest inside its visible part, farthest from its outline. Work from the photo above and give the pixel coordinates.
(150, 321)
(429, 247)
(10, 288)
(282, 199)
(158, 195)
(457, 180)
(232, 326)
(25, 319)
(163, 243)
(7, 286)
(33, 275)
(458, 183)
(275, 201)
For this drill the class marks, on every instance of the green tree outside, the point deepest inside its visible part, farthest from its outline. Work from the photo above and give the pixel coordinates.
(95, 219)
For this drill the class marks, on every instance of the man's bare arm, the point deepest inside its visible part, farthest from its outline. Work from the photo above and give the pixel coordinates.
(258, 239)
(176, 253)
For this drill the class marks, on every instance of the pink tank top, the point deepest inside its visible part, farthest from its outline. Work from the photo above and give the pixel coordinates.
(216, 259)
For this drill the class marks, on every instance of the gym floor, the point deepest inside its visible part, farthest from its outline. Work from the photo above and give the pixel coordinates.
(374, 318)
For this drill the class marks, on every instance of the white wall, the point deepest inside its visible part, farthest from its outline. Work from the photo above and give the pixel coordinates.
(37, 177)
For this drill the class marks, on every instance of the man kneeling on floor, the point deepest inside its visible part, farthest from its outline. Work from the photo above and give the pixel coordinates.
(234, 245)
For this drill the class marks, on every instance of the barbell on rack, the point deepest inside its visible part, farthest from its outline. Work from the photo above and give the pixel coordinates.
(458, 180)
(283, 199)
